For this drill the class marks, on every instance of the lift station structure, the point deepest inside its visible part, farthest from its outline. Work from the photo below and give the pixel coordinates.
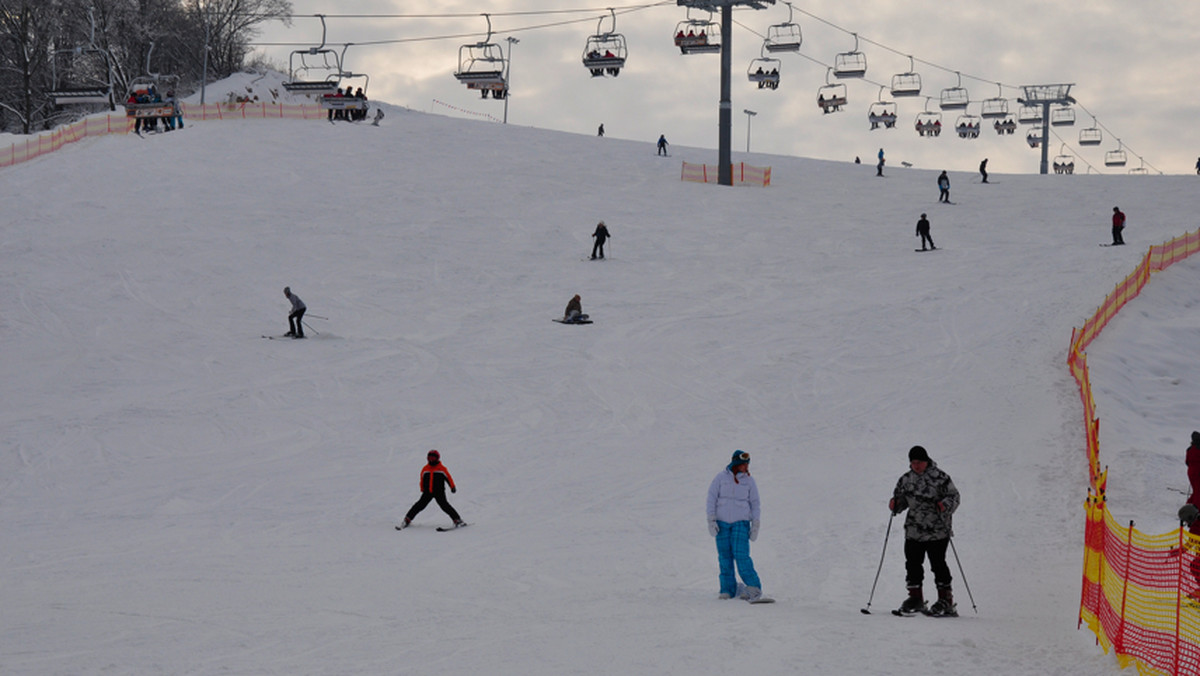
(725, 123)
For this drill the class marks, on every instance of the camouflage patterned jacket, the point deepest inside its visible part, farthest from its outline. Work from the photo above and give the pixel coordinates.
(920, 493)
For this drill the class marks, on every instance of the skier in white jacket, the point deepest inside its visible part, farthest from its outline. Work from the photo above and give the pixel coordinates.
(733, 519)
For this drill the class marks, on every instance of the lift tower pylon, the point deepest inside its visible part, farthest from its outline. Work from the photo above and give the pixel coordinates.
(1044, 96)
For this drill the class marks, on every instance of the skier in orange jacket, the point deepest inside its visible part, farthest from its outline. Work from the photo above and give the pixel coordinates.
(434, 479)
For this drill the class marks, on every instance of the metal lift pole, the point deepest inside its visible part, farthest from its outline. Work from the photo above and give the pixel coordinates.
(725, 150)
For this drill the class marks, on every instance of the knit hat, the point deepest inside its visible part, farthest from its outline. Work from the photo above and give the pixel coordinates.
(739, 458)
(1196, 438)
(918, 453)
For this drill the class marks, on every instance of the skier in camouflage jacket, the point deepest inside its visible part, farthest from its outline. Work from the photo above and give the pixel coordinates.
(930, 497)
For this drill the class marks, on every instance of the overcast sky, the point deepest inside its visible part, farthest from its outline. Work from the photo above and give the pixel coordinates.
(1134, 67)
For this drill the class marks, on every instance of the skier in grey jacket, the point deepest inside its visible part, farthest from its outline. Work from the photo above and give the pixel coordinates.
(296, 316)
(930, 497)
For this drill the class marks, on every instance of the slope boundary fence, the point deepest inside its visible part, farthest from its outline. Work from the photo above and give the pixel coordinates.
(32, 147)
(1141, 593)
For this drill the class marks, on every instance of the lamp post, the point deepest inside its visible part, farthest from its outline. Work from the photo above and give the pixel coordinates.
(749, 114)
(508, 76)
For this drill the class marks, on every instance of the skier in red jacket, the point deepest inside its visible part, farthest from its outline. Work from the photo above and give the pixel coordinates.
(434, 479)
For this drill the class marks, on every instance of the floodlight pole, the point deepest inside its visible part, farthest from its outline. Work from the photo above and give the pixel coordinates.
(508, 76)
(725, 120)
(749, 114)
(1044, 96)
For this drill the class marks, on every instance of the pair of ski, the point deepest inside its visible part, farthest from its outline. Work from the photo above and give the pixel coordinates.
(441, 529)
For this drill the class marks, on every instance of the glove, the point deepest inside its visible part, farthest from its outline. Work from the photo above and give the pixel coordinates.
(754, 529)
(712, 527)
(453, 489)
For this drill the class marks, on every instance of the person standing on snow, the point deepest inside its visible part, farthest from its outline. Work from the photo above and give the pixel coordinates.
(943, 182)
(296, 316)
(600, 235)
(923, 232)
(983, 169)
(1189, 514)
(662, 144)
(1118, 224)
(434, 479)
(930, 497)
(733, 519)
(879, 167)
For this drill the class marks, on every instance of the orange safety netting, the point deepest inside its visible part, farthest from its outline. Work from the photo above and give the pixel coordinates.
(1141, 593)
(743, 174)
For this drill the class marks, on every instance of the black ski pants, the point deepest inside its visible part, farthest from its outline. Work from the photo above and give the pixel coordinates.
(296, 322)
(598, 246)
(426, 498)
(915, 552)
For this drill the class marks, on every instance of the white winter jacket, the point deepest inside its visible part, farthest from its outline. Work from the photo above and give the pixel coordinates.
(732, 498)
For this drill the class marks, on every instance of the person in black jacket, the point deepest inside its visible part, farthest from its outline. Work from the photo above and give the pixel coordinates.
(434, 479)
(601, 235)
(923, 233)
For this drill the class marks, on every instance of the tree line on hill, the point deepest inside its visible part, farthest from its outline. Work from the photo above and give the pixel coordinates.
(48, 45)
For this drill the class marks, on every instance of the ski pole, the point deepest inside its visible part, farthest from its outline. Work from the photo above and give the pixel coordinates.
(310, 328)
(316, 316)
(867, 610)
(964, 576)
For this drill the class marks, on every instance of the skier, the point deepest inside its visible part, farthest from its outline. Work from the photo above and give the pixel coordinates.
(879, 167)
(1189, 514)
(1118, 224)
(943, 182)
(600, 235)
(983, 169)
(662, 144)
(923, 233)
(600, 131)
(1192, 459)
(296, 316)
(574, 311)
(931, 498)
(434, 479)
(733, 519)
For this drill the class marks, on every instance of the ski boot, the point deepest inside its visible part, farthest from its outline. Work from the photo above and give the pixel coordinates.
(915, 603)
(944, 606)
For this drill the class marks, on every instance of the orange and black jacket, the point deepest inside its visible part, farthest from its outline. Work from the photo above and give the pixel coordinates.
(434, 479)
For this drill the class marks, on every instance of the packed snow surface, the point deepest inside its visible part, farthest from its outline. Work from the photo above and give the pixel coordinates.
(180, 496)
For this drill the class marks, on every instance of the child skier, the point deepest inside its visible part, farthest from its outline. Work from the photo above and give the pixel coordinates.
(434, 479)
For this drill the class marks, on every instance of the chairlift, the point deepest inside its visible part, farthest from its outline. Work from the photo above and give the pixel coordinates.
(1062, 116)
(882, 112)
(316, 70)
(955, 98)
(1034, 137)
(1115, 158)
(482, 66)
(1064, 162)
(929, 122)
(698, 36)
(784, 37)
(1029, 114)
(1007, 125)
(152, 96)
(604, 53)
(90, 73)
(968, 126)
(906, 84)
(850, 64)
(1140, 170)
(350, 100)
(996, 107)
(1091, 136)
(832, 96)
(764, 70)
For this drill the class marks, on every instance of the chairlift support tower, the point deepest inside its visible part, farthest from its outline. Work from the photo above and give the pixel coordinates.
(1045, 96)
(725, 124)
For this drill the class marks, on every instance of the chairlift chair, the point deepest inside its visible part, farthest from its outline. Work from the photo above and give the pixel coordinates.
(968, 126)
(882, 112)
(1140, 170)
(1007, 125)
(318, 70)
(850, 64)
(1091, 136)
(929, 122)
(87, 88)
(1115, 158)
(482, 66)
(1029, 114)
(831, 97)
(1064, 162)
(1062, 116)
(996, 107)
(1034, 137)
(141, 87)
(605, 52)
(955, 98)
(764, 70)
(906, 84)
(784, 37)
(698, 36)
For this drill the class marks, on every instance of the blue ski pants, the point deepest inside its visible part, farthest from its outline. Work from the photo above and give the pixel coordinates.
(733, 548)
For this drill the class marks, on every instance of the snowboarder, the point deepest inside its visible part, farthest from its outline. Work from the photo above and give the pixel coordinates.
(1118, 224)
(923, 233)
(296, 316)
(600, 235)
(983, 169)
(662, 144)
(879, 167)
(574, 311)
(434, 479)
(930, 497)
(733, 519)
(943, 182)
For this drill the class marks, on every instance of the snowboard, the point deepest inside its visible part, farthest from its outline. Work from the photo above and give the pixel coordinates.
(933, 249)
(761, 599)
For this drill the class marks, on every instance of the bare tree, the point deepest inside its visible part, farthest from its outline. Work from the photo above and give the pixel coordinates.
(25, 46)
